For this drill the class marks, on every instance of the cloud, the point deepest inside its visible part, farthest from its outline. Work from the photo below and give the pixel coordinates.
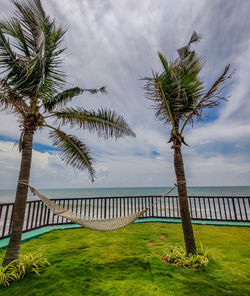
(47, 169)
(218, 131)
(232, 124)
(217, 170)
(114, 43)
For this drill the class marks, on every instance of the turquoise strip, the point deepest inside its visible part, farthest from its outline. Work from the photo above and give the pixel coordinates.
(37, 232)
(198, 222)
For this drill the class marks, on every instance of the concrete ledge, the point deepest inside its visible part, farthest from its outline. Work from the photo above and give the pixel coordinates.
(37, 232)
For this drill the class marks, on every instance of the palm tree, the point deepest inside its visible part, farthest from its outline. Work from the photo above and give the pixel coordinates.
(34, 89)
(180, 97)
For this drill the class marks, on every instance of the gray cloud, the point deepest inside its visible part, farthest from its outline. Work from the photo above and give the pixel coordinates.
(114, 43)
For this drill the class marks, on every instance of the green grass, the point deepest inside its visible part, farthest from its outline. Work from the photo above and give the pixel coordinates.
(127, 262)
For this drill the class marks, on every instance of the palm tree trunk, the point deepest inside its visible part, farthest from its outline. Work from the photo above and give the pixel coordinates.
(13, 249)
(183, 201)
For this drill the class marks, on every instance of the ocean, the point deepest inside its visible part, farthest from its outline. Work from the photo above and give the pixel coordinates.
(9, 195)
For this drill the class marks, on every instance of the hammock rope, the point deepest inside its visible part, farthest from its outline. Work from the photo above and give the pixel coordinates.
(109, 224)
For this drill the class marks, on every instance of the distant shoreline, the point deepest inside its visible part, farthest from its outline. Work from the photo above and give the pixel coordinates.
(8, 195)
(137, 187)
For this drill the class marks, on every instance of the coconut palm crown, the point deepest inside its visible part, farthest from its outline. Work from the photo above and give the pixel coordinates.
(34, 88)
(180, 97)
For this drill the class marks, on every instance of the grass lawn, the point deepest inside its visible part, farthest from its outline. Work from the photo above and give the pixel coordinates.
(128, 262)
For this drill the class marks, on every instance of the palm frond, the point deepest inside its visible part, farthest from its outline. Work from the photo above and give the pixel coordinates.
(30, 15)
(67, 95)
(19, 143)
(37, 41)
(195, 38)
(10, 100)
(176, 90)
(13, 28)
(163, 61)
(212, 98)
(183, 52)
(72, 151)
(105, 122)
(178, 94)
(7, 56)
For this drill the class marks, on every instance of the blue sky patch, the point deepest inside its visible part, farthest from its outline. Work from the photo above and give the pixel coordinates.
(36, 146)
(154, 154)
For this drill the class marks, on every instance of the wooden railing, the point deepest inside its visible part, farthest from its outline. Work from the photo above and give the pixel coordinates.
(219, 208)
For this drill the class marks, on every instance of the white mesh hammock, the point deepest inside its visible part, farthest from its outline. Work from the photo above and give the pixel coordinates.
(93, 223)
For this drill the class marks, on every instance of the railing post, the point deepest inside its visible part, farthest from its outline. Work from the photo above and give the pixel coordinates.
(28, 216)
(11, 220)
(235, 214)
(153, 208)
(239, 209)
(5, 220)
(38, 215)
(1, 208)
(105, 207)
(48, 216)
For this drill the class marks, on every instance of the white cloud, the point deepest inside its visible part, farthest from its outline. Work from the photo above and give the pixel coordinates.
(233, 123)
(217, 170)
(114, 43)
(219, 132)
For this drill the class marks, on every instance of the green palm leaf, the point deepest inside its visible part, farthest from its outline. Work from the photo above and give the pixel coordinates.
(105, 122)
(67, 95)
(10, 100)
(13, 28)
(163, 61)
(36, 37)
(177, 89)
(178, 94)
(211, 98)
(7, 56)
(73, 151)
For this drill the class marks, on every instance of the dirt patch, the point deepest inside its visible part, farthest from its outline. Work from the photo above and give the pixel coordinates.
(164, 259)
(152, 243)
(163, 236)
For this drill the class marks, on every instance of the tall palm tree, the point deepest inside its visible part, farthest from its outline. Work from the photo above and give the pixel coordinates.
(180, 97)
(34, 89)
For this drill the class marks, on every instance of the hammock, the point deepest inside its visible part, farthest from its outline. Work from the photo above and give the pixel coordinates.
(92, 223)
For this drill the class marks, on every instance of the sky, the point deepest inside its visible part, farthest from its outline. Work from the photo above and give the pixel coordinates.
(115, 43)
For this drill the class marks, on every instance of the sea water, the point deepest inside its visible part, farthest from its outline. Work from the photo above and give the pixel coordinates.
(9, 195)
(117, 207)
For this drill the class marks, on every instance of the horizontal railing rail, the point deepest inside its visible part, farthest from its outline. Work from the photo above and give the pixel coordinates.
(217, 208)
